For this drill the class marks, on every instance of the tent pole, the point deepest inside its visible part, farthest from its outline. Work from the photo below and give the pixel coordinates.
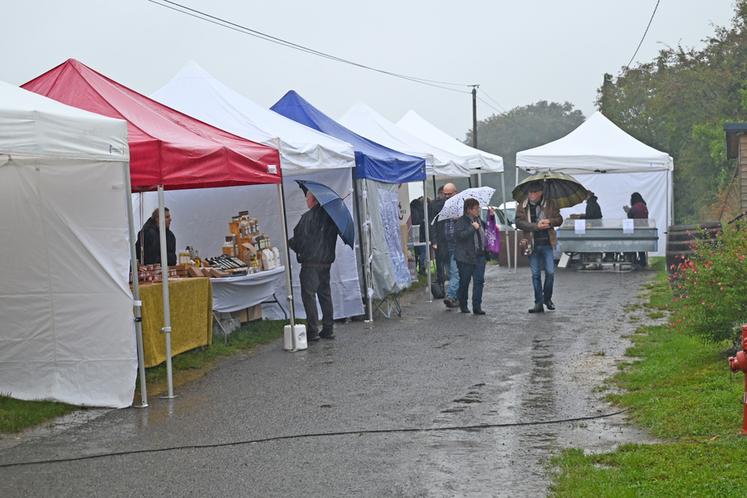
(165, 287)
(369, 251)
(360, 240)
(516, 231)
(288, 279)
(137, 305)
(505, 217)
(479, 179)
(427, 239)
(434, 187)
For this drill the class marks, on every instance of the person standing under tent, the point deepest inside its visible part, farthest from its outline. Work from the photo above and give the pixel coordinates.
(536, 218)
(417, 218)
(446, 244)
(638, 210)
(593, 209)
(148, 245)
(434, 207)
(470, 255)
(314, 240)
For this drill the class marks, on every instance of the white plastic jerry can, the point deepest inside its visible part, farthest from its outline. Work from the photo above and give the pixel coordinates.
(299, 332)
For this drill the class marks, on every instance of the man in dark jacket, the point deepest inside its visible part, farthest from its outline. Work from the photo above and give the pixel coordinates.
(148, 245)
(314, 239)
(469, 252)
(593, 209)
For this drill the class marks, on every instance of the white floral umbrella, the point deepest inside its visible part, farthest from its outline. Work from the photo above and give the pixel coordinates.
(454, 206)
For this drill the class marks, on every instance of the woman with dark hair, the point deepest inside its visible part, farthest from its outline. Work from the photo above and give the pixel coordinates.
(469, 253)
(638, 210)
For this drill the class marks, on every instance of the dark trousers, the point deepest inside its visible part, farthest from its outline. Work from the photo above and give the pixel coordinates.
(467, 272)
(315, 284)
(442, 266)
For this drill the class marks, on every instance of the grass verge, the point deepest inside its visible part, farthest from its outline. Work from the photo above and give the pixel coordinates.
(682, 392)
(16, 414)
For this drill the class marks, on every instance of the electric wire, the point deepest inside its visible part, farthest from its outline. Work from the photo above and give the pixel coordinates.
(468, 428)
(493, 100)
(489, 104)
(204, 16)
(644, 34)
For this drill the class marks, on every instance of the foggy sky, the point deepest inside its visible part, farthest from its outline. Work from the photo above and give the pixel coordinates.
(519, 52)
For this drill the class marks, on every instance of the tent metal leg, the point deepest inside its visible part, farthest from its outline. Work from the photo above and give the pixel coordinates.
(288, 278)
(137, 305)
(427, 241)
(165, 287)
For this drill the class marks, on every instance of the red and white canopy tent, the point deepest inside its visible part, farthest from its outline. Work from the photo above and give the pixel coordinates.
(168, 150)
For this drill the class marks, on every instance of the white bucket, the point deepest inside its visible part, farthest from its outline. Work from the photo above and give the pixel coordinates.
(299, 331)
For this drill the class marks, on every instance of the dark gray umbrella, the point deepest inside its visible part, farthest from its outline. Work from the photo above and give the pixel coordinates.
(565, 190)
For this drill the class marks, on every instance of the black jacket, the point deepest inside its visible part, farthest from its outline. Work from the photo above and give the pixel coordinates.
(464, 233)
(593, 209)
(438, 229)
(314, 237)
(149, 239)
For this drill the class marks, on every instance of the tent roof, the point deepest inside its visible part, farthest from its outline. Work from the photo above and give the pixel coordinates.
(365, 121)
(372, 160)
(597, 145)
(196, 92)
(166, 147)
(35, 126)
(478, 161)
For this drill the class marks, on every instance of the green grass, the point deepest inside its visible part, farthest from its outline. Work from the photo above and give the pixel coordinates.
(243, 339)
(16, 414)
(683, 393)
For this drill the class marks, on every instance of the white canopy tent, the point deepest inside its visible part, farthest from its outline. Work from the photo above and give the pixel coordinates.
(613, 165)
(476, 161)
(201, 216)
(68, 326)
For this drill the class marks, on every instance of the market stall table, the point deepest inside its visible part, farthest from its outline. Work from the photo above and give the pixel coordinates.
(191, 304)
(238, 293)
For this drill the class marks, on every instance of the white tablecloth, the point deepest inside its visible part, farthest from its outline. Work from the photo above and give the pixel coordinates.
(238, 293)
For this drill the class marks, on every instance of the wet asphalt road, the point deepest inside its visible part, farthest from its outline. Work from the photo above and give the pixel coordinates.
(431, 368)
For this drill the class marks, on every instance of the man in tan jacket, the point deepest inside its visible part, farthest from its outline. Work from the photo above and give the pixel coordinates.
(537, 217)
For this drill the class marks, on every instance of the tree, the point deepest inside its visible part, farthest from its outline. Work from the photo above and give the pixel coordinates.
(678, 103)
(523, 128)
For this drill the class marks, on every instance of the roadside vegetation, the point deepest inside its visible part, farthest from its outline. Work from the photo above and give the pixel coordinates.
(679, 387)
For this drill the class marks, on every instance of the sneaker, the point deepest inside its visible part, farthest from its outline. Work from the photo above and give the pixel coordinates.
(451, 303)
(550, 305)
(327, 334)
(478, 311)
(312, 336)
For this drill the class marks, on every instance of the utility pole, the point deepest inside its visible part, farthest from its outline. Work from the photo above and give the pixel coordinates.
(474, 126)
(474, 115)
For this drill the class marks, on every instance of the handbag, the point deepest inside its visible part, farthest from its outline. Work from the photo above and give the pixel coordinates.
(492, 236)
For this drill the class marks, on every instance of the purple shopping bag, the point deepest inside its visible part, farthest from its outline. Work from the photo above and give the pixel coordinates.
(492, 236)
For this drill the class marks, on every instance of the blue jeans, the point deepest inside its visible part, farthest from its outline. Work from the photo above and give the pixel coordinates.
(453, 291)
(541, 259)
(467, 272)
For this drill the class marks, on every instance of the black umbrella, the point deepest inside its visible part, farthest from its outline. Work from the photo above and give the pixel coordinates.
(563, 189)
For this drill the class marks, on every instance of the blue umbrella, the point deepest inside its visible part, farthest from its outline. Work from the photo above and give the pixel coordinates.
(335, 208)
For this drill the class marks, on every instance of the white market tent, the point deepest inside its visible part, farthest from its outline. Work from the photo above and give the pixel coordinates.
(477, 161)
(201, 216)
(366, 122)
(613, 165)
(68, 327)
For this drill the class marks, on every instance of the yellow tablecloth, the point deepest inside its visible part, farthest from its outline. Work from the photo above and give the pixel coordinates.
(191, 301)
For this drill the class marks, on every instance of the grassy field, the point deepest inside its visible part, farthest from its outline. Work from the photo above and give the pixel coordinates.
(681, 390)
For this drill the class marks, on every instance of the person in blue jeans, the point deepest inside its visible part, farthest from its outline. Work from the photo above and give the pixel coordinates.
(469, 253)
(536, 218)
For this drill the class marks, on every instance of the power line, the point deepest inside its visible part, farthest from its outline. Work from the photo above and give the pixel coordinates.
(204, 16)
(493, 100)
(644, 34)
(489, 104)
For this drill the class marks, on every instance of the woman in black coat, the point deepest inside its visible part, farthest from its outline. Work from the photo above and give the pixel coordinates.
(470, 256)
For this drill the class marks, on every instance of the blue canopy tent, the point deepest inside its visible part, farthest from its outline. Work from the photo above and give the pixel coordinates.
(379, 170)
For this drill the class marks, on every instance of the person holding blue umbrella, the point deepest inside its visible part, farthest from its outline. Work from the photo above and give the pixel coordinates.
(314, 240)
